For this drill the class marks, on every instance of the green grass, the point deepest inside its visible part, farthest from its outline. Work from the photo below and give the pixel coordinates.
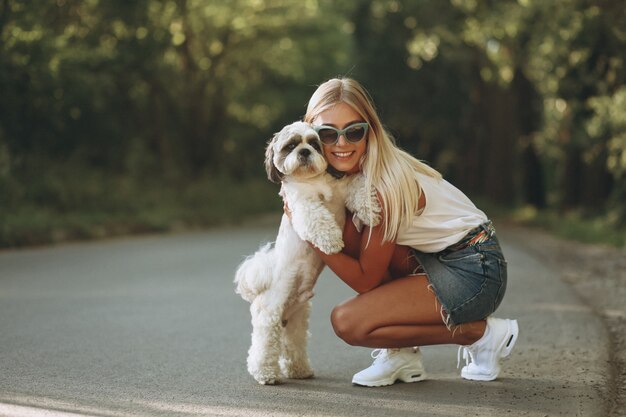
(571, 225)
(113, 207)
(66, 207)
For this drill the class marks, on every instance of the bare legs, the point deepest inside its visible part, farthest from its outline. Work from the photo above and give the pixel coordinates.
(402, 312)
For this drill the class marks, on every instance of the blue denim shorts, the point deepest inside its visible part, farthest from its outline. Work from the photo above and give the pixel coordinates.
(469, 277)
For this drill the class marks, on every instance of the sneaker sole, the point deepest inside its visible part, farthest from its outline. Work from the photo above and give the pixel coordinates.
(479, 377)
(404, 375)
(506, 346)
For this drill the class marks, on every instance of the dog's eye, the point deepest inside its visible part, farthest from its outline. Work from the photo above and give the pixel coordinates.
(316, 146)
(290, 147)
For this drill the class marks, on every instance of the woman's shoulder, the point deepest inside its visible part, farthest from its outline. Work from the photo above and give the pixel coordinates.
(423, 179)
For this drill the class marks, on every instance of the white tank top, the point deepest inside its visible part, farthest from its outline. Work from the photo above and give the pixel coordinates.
(446, 218)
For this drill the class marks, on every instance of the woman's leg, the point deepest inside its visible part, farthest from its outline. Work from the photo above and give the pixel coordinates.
(404, 312)
(401, 313)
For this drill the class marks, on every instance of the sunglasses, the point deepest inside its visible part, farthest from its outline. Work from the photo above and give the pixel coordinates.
(353, 133)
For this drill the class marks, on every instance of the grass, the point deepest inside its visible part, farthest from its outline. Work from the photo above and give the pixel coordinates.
(574, 225)
(91, 206)
(570, 225)
(122, 208)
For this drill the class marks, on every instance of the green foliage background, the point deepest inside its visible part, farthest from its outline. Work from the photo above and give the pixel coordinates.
(119, 116)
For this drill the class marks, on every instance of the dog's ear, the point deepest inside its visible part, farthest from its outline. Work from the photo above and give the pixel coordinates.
(273, 174)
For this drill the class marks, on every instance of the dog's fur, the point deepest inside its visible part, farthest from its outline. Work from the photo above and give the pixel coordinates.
(278, 281)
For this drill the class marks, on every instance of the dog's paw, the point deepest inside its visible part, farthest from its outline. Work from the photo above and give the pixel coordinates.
(329, 239)
(329, 246)
(299, 368)
(300, 373)
(364, 215)
(268, 381)
(363, 202)
(367, 208)
(266, 378)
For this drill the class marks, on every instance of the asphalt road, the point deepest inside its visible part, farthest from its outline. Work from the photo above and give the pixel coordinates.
(151, 326)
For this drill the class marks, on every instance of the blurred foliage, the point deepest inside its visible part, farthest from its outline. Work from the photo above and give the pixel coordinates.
(114, 112)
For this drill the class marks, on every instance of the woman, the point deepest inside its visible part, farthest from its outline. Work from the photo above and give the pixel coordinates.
(430, 273)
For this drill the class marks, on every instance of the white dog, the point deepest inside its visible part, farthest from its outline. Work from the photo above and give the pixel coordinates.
(278, 281)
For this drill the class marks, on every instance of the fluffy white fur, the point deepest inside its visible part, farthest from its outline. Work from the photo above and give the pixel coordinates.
(278, 280)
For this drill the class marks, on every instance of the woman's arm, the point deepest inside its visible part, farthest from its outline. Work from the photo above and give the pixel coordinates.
(364, 263)
(364, 269)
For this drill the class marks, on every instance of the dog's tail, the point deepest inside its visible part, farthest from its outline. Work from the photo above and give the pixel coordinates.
(254, 275)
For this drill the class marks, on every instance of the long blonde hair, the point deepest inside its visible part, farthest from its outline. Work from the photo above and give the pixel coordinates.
(387, 168)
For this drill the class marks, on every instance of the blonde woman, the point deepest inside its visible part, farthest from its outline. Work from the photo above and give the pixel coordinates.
(431, 273)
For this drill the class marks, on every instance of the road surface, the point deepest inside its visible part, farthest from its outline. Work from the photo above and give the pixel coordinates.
(151, 326)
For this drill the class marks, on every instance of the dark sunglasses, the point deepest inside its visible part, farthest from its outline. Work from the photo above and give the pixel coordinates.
(353, 133)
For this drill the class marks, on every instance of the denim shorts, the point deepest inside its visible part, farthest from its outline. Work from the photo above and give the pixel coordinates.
(469, 277)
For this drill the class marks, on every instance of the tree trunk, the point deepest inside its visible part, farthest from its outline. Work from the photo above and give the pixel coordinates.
(572, 179)
(529, 107)
(533, 181)
(497, 155)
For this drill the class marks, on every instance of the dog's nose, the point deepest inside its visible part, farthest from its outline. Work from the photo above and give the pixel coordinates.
(304, 152)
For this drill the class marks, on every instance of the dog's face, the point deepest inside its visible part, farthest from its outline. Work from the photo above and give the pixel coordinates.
(295, 151)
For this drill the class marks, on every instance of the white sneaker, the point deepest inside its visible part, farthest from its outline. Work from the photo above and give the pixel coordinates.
(391, 365)
(482, 358)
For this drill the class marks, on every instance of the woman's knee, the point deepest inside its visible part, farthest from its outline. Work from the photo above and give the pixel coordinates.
(345, 325)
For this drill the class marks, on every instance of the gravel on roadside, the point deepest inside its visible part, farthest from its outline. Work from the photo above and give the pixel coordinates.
(598, 274)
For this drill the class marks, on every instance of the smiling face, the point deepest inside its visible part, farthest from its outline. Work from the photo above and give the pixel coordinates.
(343, 155)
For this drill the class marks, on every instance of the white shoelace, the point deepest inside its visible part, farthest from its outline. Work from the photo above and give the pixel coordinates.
(469, 357)
(379, 354)
(382, 354)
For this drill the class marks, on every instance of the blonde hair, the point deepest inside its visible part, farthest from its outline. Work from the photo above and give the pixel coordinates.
(387, 168)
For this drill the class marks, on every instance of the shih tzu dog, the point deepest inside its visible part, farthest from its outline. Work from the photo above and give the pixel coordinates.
(278, 279)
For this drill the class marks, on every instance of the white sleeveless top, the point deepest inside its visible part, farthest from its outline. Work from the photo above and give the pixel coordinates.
(446, 218)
